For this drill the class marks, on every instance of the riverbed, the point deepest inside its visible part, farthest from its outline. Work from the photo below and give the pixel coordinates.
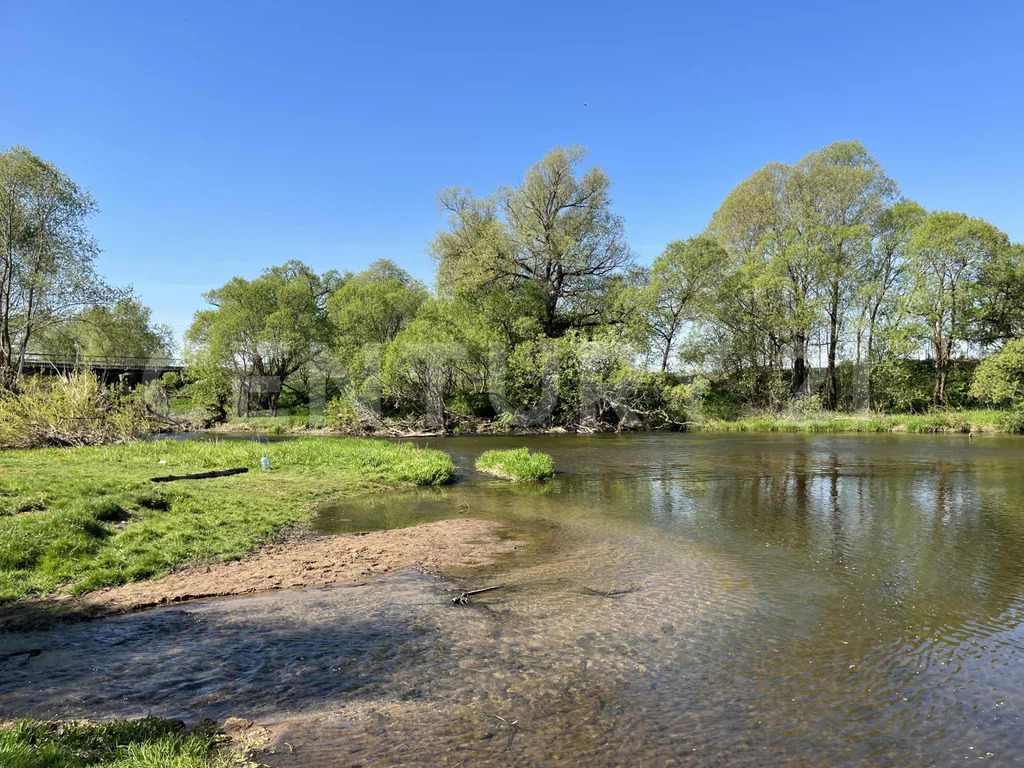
(673, 600)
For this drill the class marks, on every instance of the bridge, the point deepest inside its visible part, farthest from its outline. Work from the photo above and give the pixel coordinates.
(130, 371)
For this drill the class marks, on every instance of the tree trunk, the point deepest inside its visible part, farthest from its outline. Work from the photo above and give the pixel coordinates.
(831, 385)
(941, 369)
(799, 365)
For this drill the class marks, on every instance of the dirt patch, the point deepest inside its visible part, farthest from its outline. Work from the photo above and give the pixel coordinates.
(311, 561)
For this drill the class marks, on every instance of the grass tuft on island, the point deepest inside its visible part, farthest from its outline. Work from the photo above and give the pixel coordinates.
(147, 743)
(79, 519)
(516, 464)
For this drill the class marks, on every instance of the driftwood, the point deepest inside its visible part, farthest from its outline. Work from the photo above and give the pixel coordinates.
(610, 592)
(200, 475)
(463, 599)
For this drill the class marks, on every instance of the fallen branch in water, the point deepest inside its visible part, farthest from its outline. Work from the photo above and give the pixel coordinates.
(610, 592)
(463, 599)
(200, 475)
(513, 727)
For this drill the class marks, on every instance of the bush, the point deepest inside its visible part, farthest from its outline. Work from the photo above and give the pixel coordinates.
(1012, 422)
(470, 404)
(516, 464)
(999, 380)
(908, 386)
(70, 411)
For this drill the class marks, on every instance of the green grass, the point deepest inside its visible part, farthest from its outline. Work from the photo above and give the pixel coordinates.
(516, 464)
(148, 743)
(940, 421)
(276, 425)
(75, 520)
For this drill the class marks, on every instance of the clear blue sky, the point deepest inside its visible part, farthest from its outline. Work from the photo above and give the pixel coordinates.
(220, 139)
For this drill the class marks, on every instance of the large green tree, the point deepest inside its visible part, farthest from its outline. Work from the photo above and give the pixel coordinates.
(553, 236)
(262, 331)
(948, 254)
(797, 238)
(767, 307)
(837, 196)
(47, 270)
(681, 282)
(884, 278)
(374, 305)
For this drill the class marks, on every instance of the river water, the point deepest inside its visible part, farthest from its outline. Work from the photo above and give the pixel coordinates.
(705, 600)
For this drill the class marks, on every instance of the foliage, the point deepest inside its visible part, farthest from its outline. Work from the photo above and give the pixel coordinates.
(147, 743)
(682, 280)
(553, 237)
(443, 350)
(815, 286)
(999, 380)
(516, 464)
(73, 410)
(122, 331)
(262, 331)
(84, 518)
(796, 237)
(1012, 422)
(373, 306)
(948, 254)
(46, 256)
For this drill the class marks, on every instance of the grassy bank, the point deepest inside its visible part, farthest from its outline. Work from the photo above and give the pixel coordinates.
(977, 421)
(963, 421)
(274, 425)
(516, 464)
(74, 520)
(148, 743)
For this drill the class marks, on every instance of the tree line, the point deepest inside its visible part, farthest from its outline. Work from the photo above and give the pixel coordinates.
(817, 283)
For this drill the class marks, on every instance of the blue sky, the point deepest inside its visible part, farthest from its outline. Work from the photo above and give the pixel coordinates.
(220, 139)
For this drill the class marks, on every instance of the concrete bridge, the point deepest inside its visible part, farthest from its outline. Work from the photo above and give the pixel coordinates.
(130, 371)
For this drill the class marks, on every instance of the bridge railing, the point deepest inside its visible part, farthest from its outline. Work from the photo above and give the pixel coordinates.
(64, 362)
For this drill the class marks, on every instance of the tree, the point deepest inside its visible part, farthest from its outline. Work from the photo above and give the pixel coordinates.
(122, 331)
(264, 330)
(948, 254)
(554, 234)
(47, 257)
(442, 350)
(681, 281)
(838, 194)
(1002, 310)
(372, 307)
(765, 310)
(884, 272)
(797, 237)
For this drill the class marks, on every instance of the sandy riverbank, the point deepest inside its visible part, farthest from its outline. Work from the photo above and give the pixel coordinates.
(297, 562)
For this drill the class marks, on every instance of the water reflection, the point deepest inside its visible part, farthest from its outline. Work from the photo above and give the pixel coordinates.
(750, 600)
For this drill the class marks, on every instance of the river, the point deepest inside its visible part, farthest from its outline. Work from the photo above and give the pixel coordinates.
(679, 599)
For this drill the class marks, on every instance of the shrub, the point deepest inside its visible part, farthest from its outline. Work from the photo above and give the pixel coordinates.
(999, 380)
(516, 464)
(70, 411)
(1012, 422)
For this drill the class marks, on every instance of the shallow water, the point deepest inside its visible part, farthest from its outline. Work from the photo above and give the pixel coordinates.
(680, 600)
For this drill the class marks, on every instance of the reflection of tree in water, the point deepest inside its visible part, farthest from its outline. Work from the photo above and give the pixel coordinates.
(930, 541)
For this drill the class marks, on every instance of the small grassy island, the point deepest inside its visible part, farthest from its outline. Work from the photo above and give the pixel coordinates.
(516, 464)
(75, 520)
